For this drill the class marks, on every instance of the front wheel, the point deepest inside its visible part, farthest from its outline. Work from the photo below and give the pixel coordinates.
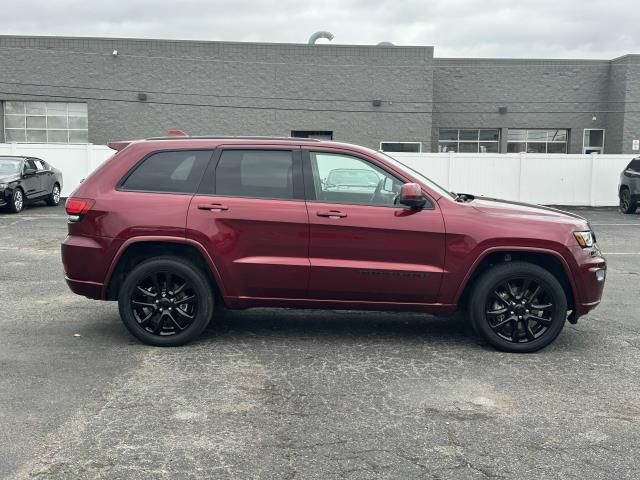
(17, 201)
(518, 307)
(166, 302)
(628, 205)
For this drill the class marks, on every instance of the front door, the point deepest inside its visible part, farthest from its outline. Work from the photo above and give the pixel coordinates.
(31, 182)
(363, 246)
(251, 216)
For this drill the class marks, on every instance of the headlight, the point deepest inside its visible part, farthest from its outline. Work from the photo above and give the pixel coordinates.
(585, 239)
(3, 186)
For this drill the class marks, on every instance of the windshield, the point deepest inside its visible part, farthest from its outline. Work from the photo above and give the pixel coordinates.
(414, 173)
(9, 166)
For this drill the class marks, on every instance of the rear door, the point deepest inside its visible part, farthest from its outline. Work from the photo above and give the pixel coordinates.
(364, 247)
(45, 176)
(251, 216)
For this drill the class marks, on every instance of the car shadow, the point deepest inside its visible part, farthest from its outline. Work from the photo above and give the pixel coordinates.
(337, 323)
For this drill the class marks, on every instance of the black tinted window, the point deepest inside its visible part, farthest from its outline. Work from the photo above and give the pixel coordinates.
(29, 164)
(255, 173)
(178, 172)
(634, 165)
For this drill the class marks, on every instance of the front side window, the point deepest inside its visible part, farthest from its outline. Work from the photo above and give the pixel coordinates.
(537, 140)
(469, 140)
(255, 174)
(171, 172)
(29, 164)
(46, 122)
(345, 179)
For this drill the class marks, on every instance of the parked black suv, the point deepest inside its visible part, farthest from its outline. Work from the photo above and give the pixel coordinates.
(629, 188)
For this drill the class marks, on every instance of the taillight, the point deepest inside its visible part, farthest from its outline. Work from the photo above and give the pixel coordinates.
(77, 207)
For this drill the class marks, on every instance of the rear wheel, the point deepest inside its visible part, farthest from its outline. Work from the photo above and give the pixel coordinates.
(518, 307)
(17, 201)
(166, 302)
(54, 198)
(628, 204)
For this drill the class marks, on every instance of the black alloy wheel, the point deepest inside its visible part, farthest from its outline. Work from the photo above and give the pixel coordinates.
(166, 301)
(518, 307)
(519, 310)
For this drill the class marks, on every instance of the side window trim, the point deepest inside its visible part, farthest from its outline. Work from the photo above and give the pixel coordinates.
(120, 185)
(209, 176)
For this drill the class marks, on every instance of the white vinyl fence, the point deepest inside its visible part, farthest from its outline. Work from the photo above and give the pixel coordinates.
(551, 179)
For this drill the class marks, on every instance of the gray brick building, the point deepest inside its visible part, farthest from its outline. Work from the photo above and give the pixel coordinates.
(55, 89)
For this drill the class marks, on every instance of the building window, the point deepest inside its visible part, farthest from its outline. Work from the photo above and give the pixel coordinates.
(45, 122)
(410, 147)
(317, 134)
(537, 141)
(469, 140)
(593, 140)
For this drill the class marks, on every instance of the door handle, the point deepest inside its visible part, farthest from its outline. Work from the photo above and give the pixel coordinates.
(331, 214)
(213, 207)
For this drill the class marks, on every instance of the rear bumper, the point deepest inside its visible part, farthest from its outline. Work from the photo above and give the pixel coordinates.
(85, 261)
(87, 289)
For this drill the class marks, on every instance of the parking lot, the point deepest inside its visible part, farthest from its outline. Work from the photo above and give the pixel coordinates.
(309, 394)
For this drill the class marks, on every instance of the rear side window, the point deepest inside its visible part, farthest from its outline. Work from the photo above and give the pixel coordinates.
(173, 172)
(255, 174)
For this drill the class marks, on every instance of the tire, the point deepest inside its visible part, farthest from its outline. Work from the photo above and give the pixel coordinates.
(171, 320)
(500, 317)
(54, 197)
(17, 201)
(628, 204)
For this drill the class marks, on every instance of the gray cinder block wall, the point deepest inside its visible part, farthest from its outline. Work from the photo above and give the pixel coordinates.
(227, 88)
(272, 89)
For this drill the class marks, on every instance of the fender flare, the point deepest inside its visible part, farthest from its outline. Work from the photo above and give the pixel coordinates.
(505, 248)
(163, 239)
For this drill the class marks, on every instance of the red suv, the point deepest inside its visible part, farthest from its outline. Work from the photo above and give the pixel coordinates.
(170, 226)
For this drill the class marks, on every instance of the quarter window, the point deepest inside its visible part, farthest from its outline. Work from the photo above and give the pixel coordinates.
(171, 172)
(255, 174)
(537, 141)
(345, 179)
(469, 140)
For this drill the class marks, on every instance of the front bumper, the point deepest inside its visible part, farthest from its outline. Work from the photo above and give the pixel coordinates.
(590, 279)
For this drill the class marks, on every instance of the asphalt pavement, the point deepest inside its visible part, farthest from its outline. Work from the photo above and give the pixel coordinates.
(325, 395)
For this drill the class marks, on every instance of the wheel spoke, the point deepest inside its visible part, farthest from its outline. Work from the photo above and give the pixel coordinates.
(525, 286)
(143, 304)
(175, 322)
(156, 283)
(544, 321)
(546, 306)
(181, 288)
(499, 325)
(495, 313)
(184, 314)
(515, 333)
(184, 299)
(146, 293)
(528, 331)
(158, 326)
(169, 281)
(535, 293)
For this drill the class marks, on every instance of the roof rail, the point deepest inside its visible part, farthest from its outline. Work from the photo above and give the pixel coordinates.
(232, 137)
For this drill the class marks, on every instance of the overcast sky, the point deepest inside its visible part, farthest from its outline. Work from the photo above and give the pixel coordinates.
(457, 28)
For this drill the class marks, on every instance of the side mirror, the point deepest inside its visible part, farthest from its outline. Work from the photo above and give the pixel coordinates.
(28, 172)
(411, 196)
